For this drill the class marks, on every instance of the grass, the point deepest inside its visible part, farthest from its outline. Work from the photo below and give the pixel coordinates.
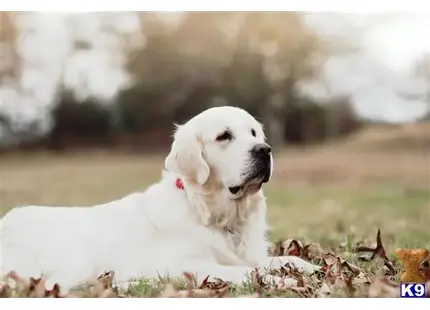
(334, 195)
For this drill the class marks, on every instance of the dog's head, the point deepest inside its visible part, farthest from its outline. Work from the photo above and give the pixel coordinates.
(225, 143)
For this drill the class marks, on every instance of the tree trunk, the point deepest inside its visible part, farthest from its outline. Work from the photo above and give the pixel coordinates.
(274, 120)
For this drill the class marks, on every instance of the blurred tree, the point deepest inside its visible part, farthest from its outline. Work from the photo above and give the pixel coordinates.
(252, 60)
(9, 56)
(422, 73)
(291, 53)
(183, 63)
(80, 123)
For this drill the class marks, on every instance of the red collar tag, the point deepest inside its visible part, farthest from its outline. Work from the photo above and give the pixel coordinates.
(179, 183)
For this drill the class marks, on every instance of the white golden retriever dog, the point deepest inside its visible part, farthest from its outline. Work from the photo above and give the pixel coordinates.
(206, 216)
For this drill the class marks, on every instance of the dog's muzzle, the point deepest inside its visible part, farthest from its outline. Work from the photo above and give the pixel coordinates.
(262, 155)
(260, 171)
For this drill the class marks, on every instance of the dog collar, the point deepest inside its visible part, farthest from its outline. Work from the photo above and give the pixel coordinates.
(179, 183)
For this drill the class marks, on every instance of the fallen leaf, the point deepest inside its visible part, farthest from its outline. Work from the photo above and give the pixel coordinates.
(295, 248)
(103, 286)
(21, 283)
(350, 290)
(191, 280)
(218, 287)
(257, 282)
(324, 290)
(4, 290)
(378, 251)
(330, 259)
(313, 252)
(108, 293)
(277, 249)
(382, 288)
(170, 292)
(107, 279)
(55, 292)
(37, 288)
(303, 292)
(425, 269)
(217, 284)
(354, 269)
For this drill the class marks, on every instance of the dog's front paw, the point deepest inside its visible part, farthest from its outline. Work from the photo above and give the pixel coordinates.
(296, 262)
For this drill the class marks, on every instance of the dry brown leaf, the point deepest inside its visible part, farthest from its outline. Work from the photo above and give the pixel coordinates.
(4, 290)
(425, 269)
(34, 288)
(217, 284)
(355, 270)
(208, 289)
(218, 287)
(55, 292)
(330, 259)
(382, 288)
(324, 290)
(303, 292)
(108, 293)
(334, 273)
(313, 252)
(361, 279)
(378, 251)
(339, 275)
(21, 283)
(206, 293)
(98, 289)
(191, 280)
(170, 292)
(37, 288)
(106, 279)
(350, 290)
(287, 247)
(295, 248)
(286, 271)
(103, 286)
(257, 282)
(277, 249)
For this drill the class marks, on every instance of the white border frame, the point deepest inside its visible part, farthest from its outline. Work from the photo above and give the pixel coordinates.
(366, 6)
(350, 6)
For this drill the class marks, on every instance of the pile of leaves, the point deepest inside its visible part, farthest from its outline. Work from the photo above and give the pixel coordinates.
(367, 272)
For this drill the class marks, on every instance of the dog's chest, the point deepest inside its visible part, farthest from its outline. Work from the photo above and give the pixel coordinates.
(237, 241)
(234, 236)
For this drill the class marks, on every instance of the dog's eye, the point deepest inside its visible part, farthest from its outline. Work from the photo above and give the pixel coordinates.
(253, 133)
(225, 136)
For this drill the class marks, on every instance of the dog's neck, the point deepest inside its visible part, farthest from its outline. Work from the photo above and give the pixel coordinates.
(213, 206)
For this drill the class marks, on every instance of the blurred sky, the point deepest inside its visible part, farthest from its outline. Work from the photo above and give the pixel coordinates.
(387, 47)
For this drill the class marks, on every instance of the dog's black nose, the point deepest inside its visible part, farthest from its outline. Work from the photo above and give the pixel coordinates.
(261, 149)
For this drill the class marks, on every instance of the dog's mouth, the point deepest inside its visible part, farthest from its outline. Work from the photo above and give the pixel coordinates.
(253, 182)
(250, 187)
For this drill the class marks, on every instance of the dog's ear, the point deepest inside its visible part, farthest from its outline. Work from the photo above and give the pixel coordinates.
(186, 156)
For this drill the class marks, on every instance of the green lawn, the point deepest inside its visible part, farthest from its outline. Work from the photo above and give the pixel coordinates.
(330, 196)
